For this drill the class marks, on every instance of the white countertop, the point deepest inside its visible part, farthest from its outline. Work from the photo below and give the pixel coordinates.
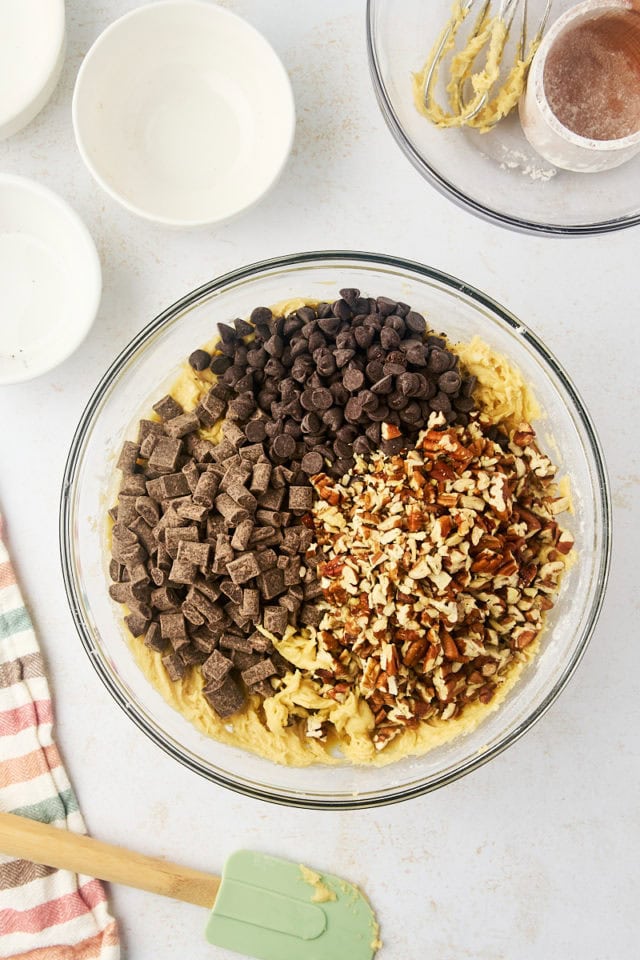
(534, 855)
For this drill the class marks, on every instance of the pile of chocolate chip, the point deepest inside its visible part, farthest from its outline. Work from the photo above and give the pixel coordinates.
(210, 540)
(325, 379)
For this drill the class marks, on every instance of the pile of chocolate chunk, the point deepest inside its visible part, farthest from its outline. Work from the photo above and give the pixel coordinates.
(210, 541)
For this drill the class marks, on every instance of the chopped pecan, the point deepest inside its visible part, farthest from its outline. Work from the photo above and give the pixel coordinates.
(439, 571)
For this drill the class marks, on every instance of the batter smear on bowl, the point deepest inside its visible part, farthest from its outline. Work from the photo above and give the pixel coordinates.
(336, 538)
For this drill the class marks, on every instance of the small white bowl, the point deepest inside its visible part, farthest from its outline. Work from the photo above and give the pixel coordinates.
(50, 280)
(183, 113)
(32, 44)
(550, 138)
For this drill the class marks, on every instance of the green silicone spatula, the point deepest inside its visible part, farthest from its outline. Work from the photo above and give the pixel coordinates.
(262, 906)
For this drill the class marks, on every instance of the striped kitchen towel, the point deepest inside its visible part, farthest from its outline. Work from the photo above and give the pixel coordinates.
(45, 914)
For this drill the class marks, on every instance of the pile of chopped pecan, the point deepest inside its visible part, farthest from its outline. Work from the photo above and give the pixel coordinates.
(437, 567)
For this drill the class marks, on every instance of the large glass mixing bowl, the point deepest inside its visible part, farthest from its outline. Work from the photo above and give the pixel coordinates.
(143, 372)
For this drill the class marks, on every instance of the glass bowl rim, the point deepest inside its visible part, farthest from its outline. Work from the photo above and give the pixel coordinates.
(73, 586)
(448, 189)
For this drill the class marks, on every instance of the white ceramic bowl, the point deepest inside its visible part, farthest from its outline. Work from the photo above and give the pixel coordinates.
(32, 43)
(183, 113)
(550, 138)
(50, 280)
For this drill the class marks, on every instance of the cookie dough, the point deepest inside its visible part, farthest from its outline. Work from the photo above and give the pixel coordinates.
(268, 728)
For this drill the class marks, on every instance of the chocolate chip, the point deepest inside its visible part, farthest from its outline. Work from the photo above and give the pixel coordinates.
(350, 294)
(261, 315)
(144, 533)
(275, 619)
(353, 410)
(409, 384)
(216, 667)
(153, 639)
(261, 477)
(253, 453)
(168, 486)
(393, 447)
(226, 699)
(440, 403)
(386, 306)
(342, 467)
(292, 574)
(353, 379)
(164, 598)
(209, 610)
(274, 346)
(464, 404)
(368, 400)
(322, 398)
(271, 583)
(439, 360)
(239, 493)
(134, 484)
(374, 371)
(206, 489)
(415, 322)
(333, 417)
(260, 671)
(145, 427)
(194, 552)
(362, 446)
(243, 568)
(128, 457)
(243, 329)
(391, 368)
(220, 364)
(383, 386)
(183, 571)
(468, 386)
(311, 615)
(342, 357)
(230, 510)
(175, 666)
(284, 446)
(242, 535)
(181, 425)
(450, 381)
(167, 408)
(301, 498)
(172, 626)
(233, 641)
(200, 360)
(310, 423)
(389, 338)
(312, 463)
(342, 450)
(250, 603)
(255, 431)
(412, 413)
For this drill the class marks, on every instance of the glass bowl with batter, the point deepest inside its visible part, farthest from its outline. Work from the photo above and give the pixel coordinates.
(496, 175)
(149, 366)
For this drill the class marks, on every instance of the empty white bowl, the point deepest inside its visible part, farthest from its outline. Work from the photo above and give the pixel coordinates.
(183, 113)
(32, 42)
(50, 280)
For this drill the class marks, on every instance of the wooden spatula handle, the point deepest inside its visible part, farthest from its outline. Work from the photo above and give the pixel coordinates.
(41, 843)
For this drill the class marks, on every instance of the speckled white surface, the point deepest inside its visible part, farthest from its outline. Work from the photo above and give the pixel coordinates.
(535, 855)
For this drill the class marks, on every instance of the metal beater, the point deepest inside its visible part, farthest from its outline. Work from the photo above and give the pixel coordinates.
(488, 37)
